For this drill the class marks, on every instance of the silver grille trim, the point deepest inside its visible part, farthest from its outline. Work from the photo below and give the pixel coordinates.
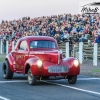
(58, 69)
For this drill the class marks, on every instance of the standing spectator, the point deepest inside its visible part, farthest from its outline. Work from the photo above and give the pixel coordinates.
(4, 44)
(70, 46)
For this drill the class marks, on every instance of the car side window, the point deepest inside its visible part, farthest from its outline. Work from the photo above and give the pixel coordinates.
(23, 45)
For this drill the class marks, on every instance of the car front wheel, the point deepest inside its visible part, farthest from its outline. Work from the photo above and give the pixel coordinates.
(72, 79)
(7, 73)
(31, 78)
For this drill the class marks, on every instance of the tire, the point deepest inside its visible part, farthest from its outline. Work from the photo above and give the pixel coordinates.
(72, 79)
(31, 78)
(7, 73)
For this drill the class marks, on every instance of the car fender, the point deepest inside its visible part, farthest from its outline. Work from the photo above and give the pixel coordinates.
(32, 63)
(69, 62)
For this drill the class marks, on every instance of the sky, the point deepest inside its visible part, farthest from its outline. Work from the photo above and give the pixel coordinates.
(15, 9)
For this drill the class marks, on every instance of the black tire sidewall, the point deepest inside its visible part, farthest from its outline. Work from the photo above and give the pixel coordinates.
(72, 79)
(9, 73)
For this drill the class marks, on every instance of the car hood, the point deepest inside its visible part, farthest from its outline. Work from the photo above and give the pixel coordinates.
(47, 55)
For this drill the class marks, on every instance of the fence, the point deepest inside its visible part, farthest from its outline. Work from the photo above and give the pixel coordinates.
(6, 47)
(81, 51)
(77, 51)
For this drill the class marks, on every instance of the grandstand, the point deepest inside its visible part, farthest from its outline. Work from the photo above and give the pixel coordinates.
(64, 28)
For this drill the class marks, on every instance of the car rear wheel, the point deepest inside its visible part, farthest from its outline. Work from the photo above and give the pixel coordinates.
(31, 78)
(7, 73)
(72, 79)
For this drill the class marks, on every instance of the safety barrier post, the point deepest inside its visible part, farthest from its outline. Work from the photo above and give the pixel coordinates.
(80, 52)
(12, 45)
(67, 49)
(1, 47)
(95, 54)
(6, 47)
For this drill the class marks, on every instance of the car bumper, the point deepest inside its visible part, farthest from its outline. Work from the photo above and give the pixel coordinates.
(51, 69)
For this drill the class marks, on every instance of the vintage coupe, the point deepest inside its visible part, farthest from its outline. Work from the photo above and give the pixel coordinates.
(39, 57)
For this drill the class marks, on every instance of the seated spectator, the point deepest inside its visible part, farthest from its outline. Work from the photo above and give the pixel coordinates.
(97, 39)
(83, 38)
(97, 36)
(69, 28)
(74, 31)
(57, 37)
(65, 36)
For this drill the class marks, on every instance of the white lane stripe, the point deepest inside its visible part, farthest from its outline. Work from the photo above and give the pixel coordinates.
(3, 98)
(84, 79)
(74, 88)
(12, 81)
(88, 79)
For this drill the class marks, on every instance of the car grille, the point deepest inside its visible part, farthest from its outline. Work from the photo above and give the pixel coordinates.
(58, 69)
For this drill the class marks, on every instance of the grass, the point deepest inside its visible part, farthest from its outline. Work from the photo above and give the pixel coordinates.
(95, 70)
(2, 59)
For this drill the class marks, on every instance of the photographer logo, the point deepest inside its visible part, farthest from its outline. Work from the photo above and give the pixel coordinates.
(90, 8)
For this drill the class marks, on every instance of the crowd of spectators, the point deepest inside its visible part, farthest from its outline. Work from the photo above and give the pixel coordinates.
(61, 27)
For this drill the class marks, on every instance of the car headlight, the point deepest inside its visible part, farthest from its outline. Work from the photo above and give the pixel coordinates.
(39, 63)
(76, 63)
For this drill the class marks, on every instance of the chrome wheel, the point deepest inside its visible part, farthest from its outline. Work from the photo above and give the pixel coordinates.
(31, 78)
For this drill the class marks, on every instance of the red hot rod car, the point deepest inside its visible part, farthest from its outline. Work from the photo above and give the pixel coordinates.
(39, 56)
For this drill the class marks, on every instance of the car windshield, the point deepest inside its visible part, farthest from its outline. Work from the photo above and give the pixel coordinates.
(42, 44)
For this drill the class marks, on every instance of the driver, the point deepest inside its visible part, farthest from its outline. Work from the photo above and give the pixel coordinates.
(31, 45)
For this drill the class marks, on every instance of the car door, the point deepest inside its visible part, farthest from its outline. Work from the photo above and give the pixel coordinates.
(21, 56)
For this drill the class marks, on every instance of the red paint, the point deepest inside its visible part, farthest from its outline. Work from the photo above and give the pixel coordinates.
(19, 59)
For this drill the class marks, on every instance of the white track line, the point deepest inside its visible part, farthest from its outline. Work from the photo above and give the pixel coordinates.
(74, 88)
(13, 81)
(80, 79)
(3, 98)
(88, 79)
